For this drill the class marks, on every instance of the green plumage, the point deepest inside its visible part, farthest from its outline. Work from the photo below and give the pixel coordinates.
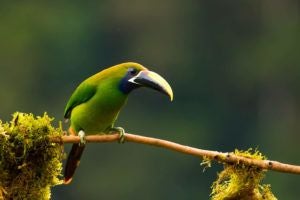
(95, 104)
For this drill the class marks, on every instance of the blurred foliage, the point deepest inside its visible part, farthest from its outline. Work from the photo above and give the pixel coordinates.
(233, 65)
(29, 164)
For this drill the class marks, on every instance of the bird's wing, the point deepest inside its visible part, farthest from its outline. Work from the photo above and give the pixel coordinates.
(82, 94)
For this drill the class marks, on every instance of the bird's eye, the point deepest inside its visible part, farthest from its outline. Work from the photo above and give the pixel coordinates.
(132, 71)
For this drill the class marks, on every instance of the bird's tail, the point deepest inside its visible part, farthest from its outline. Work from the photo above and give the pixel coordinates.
(73, 162)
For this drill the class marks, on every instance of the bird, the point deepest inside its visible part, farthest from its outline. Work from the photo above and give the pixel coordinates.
(95, 104)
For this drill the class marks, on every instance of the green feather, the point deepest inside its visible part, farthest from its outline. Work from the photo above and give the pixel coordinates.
(95, 104)
(82, 94)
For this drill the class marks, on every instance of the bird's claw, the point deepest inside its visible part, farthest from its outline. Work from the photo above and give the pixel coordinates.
(81, 135)
(121, 132)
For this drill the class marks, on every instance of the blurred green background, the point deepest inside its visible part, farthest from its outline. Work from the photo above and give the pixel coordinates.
(233, 65)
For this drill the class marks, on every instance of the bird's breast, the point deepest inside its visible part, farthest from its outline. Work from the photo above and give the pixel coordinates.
(99, 113)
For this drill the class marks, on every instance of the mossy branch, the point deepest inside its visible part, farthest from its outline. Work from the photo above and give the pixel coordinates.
(29, 163)
(32, 152)
(230, 158)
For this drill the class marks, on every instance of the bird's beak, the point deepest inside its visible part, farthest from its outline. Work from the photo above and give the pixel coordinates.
(153, 80)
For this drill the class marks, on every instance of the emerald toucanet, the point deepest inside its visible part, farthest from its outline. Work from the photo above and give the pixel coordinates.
(95, 104)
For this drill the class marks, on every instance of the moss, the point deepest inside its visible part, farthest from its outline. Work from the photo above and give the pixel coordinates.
(29, 163)
(206, 163)
(238, 181)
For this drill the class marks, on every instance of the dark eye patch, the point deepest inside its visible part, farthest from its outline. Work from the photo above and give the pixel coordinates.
(132, 71)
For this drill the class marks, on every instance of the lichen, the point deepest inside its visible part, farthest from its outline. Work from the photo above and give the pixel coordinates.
(206, 163)
(238, 181)
(29, 163)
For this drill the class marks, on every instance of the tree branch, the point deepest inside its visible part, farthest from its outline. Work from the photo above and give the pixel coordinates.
(230, 157)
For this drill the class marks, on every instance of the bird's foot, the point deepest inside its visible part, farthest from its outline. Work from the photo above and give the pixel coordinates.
(81, 135)
(121, 132)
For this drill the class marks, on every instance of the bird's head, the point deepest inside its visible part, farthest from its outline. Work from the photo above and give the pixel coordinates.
(133, 75)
